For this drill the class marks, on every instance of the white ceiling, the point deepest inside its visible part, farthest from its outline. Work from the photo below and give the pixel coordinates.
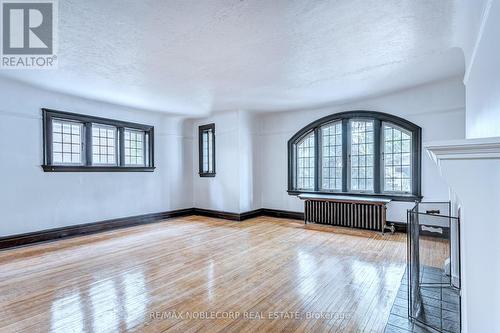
(193, 57)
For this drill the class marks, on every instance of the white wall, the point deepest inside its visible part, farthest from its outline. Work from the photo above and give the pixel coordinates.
(251, 149)
(476, 181)
(250, 161)
(472, 168)
(31, 200)
(437, 107)
(476, 184)
(469, 15)
(483, 79)
(221, 192)
(235, 188)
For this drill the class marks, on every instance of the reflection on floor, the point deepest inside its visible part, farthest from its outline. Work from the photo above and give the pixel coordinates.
(441, 306)
(201, 274)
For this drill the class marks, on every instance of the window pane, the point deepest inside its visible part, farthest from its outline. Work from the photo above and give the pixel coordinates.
(331, 142)
(104, 148)
(134, 147)
(66, 127)
(66, 142)
(207, 151)
(206, 154)
(57, 158)
(305, 163)
(397, 159)
(362, 151)
(210, 151)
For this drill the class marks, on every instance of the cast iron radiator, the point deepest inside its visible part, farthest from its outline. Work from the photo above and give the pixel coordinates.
(363, 215)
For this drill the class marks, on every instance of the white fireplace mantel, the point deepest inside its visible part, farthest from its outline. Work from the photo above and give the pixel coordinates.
(466, 149)
(471, 167)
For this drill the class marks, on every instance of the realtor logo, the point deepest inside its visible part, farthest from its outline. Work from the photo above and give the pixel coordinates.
(28, 33)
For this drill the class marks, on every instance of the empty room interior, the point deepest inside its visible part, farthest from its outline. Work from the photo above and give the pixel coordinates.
(250, 166)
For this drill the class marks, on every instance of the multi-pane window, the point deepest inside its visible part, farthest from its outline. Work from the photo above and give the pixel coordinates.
(134, 147)
(305, 163)
(66, 142)
(75, 142)
(397, 159)
(104, 141)
(359, 153)
(362, 136)
(207, 150)
(331, 158)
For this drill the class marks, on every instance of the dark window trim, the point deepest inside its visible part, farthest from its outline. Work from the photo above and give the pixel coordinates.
(49, 115)
(379, 118)
(202, 129)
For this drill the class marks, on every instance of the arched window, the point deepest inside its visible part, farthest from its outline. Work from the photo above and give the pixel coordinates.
(357, 152)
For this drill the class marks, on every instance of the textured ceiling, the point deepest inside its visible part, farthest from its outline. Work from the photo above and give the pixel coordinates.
(193, 57)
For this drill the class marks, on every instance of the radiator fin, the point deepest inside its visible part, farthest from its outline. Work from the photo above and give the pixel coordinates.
(345, 214)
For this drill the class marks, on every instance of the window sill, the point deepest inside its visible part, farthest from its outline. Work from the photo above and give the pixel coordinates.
(82, 168)
(394, 197)
(207, 175)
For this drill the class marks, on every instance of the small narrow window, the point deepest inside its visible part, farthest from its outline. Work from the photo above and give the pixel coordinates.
(104, 145)
(207, 150)
(80, 143)
(67, 143)
(305, 162)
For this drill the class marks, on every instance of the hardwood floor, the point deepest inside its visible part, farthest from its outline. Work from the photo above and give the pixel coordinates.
(163, 276)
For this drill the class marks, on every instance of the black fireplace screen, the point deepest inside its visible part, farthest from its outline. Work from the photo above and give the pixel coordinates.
(434, 266)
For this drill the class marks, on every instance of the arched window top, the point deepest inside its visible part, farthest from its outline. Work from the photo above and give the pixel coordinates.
(357, 152)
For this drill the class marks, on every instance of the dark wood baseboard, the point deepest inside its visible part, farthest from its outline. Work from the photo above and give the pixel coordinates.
(285, 214)
(95, 227)
(400, 226)
(88, 228)
(216, 214)
(250, 214)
